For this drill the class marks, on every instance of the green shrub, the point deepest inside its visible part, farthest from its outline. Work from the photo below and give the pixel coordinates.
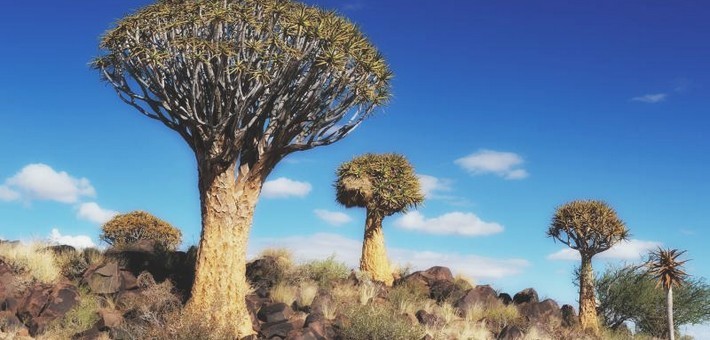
(80, 318)
(376, 322)
(126, 229)
(324, 272)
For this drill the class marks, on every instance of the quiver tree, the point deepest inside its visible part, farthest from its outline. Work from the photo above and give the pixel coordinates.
(126, 229)
(589, 227)
(244, 83)
(667, 269)
(382, 184)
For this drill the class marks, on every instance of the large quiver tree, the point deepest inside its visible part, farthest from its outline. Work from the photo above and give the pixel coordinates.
(382, 184)
(244, 83)
(589, 227)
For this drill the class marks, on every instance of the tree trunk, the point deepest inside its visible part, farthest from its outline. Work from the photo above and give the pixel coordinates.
(220, 276)
(374, 255)
(587, 301)
(669, 310)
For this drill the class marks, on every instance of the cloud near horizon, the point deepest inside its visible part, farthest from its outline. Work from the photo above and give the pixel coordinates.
(651, 98)
(91, 211)
(335, 218)
(40, 182)
(283, 187)
(78, 241)
(453, 223)
(503, 164)
(625, 250)
(321, 245)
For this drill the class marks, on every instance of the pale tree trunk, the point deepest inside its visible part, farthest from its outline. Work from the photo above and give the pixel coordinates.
(587, 302)
(374, 255)
(669, 310)
(220, 276)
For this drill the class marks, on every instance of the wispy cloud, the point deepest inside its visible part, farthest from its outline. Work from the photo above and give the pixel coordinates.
(283, 187)
(41, 182)
(626, 250)
(432, 186)
(504, 164)
(91, 211)
(78, 241)
(335, 218)
(651, 98)
(319, 246)
(453, 223)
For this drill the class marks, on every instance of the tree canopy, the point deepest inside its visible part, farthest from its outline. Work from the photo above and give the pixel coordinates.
(588, 226)
(129, 228)
(384, 183)
(630, 293)
(241, 79)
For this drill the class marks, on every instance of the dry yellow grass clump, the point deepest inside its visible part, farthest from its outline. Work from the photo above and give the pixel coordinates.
(32, 259)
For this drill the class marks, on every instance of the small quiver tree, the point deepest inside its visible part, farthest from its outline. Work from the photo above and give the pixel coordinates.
(589, 227)
(244, 83)
(667, 269)
(382, 184)
(127, 229)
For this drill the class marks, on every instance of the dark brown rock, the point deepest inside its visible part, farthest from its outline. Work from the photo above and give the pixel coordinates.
(441, 290)
(105, 279)
(34, 302)
(428, 277)
(482, 295)
(510, 332)
(277, 312)
(429, 319)
(39, 324)
(63, 298)
(302, 334)
(61, 249)
(322, 329)
(276, 330)
(527, 295)
(128, 280)
(320, 301)
(9, 322)
(569, 316)
(505, 298)
(546, 312)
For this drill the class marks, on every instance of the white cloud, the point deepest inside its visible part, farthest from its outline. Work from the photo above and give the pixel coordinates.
(7, 194)
(91, 211)
(625, 250)
(335, 218)
(79, 241)
(283, 187)
(503, 164)
(453, 223)
(41, 182)
(650, 98)
(322, 245)
(432, 185)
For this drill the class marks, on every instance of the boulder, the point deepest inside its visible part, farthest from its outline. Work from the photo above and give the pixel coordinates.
(109, 318)
(482, 295)
(276, 330)
(527, 295)
(320, 302)
(429, 319)
(263, 272)
(104, 279)
(321, 328)
(277, 312)
(63, 298)
(505, 298)
(36, 298)
(429, 276)
(9, 322)
(569, 316)
(303, 334)
(546, 312)
(61, 249)
(510, 332)
(441, 290)
(44, 304)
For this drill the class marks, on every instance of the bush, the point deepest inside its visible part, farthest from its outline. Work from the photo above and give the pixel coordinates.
(324, 272)
(376, 322)
(126, 229)
(31, 260)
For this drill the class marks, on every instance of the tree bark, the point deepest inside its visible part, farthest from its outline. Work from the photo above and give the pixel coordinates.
(220, 287)
(374, 254)
(587, 301)
(669, 310)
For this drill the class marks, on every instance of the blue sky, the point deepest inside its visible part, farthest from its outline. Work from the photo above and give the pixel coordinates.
(508, 109)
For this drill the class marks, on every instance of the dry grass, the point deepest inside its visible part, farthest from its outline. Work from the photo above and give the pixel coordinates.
(283, 256)
(30, 258)
(307, 291)
(535, 333)
(367, 292)
(283, 292)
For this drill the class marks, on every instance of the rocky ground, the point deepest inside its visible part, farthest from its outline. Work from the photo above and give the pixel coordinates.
(137, 290)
